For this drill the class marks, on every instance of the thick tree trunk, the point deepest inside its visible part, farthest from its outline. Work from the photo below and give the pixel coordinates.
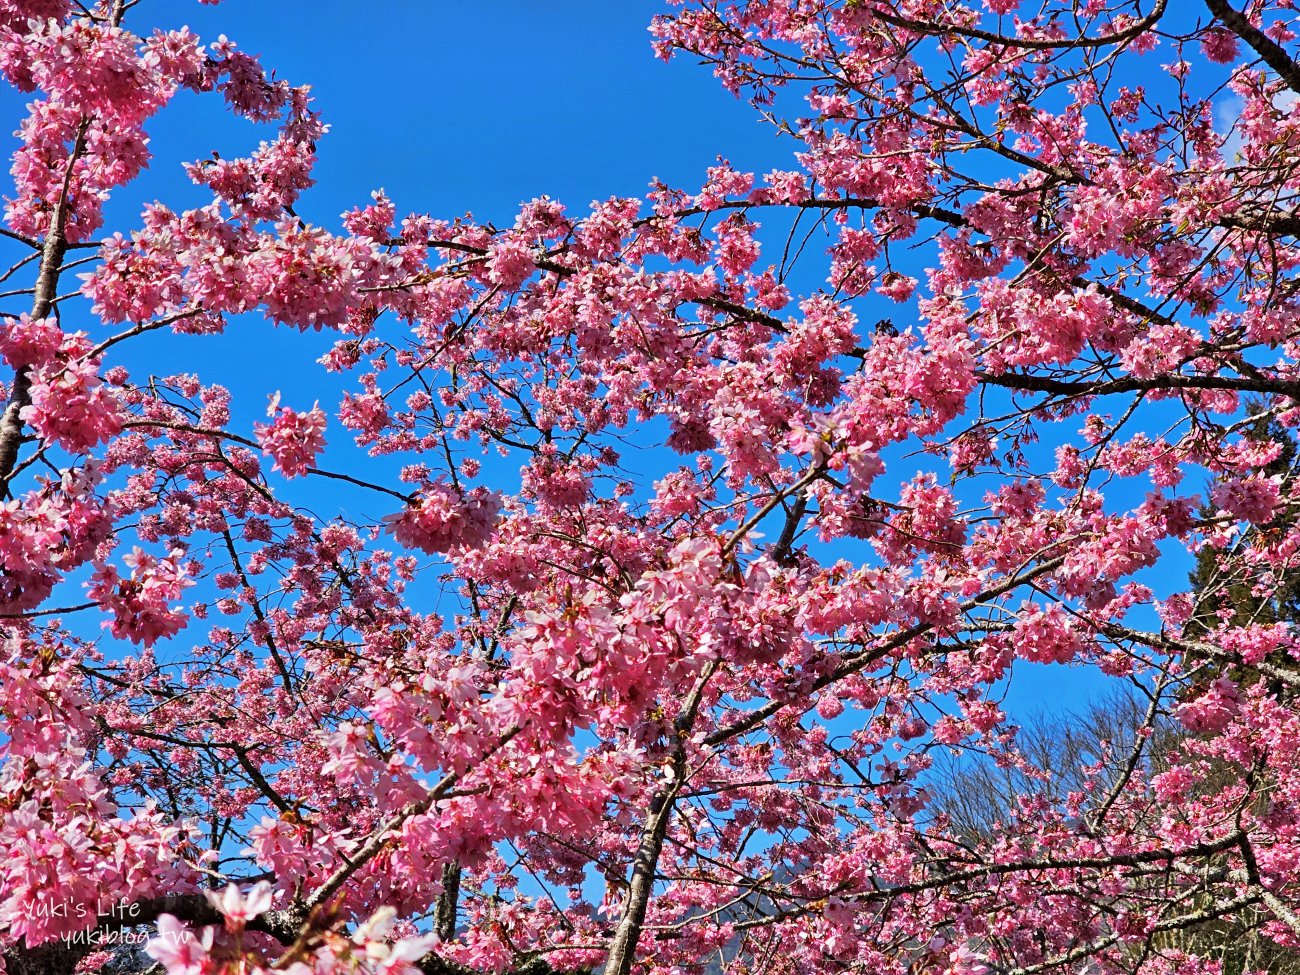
(444, 924)
(53, 251)
(622, 949)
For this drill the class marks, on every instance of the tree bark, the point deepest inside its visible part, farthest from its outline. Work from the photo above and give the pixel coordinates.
(622, 949)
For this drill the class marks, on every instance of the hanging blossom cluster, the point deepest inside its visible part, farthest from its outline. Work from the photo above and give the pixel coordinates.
(141, 605)
(292, 439)
(443, 518)
(750, 502)
(69, 403)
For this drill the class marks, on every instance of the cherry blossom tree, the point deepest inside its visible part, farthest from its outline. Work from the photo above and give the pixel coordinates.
(744, 500)
(1088, 752)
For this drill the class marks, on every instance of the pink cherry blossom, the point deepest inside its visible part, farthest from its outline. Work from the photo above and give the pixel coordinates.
(239, 908)
(292, 439)
(442, 519)
(673, 601)
(141, 603)
(178, 949)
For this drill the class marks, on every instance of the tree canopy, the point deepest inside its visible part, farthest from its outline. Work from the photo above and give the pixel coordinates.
(609, 608)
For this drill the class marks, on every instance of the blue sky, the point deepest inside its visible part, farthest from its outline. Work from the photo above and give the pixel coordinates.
(475, 106)
(480, 106)
(455, 107)
(449, 108)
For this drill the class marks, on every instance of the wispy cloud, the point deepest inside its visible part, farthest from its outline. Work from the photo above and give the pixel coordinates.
(1227, 116)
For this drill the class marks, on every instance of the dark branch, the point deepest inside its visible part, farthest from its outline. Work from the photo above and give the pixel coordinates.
(1268, 49)
(1132, 384)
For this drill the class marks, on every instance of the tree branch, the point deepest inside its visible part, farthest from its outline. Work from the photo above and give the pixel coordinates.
(1272, 53)
(1131, 384)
